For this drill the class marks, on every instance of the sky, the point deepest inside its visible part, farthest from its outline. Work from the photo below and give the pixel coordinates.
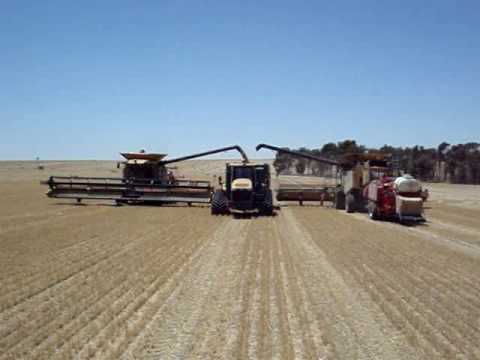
(87, 79)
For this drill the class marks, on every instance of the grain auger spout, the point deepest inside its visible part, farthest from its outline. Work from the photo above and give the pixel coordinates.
(297, 154)
(206, 153)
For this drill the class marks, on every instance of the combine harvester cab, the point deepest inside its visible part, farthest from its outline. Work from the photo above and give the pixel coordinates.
(146, 179)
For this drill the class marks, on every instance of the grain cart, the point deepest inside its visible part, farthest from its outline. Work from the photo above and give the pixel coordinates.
(363, 185)
(146, 179)
(246, 190)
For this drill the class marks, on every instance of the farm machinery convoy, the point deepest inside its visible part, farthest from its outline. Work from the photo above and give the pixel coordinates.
(363, 183)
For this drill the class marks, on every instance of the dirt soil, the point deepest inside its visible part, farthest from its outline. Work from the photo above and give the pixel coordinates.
(174, 282)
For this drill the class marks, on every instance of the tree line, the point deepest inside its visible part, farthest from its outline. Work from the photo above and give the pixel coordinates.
(454, 163)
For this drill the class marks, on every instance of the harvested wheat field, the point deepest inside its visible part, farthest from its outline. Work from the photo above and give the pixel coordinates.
(99, 281)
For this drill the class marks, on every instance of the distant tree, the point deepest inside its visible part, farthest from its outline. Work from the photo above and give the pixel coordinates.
(282, 162)
(329, 150)
(424, 165)
(350, 146)
(474, 166)
(300, 166)
(442, 150)
(459, 152)
(387, 149)
(450, 166)
(410, 168)
(461, 173)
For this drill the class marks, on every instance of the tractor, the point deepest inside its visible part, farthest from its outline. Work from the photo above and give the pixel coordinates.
(246, 190)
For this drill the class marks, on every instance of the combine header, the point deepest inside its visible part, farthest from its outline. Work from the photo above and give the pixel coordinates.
(129, 190)
(146, 179)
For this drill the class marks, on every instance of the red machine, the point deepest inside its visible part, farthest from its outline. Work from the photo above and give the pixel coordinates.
(395, 198)
(363, 185)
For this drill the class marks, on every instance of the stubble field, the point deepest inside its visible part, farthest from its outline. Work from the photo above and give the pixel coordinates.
(99, 281)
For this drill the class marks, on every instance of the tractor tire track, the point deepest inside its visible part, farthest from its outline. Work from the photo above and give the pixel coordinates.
(112, 266)
(402, 273)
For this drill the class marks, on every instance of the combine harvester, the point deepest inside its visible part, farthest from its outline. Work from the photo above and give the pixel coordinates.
(146, 179)
(364, 185)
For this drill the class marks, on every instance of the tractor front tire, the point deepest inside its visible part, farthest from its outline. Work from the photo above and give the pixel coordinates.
(219, 204)
(267, 206)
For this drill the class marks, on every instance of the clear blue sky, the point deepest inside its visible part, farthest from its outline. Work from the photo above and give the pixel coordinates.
(86, 79)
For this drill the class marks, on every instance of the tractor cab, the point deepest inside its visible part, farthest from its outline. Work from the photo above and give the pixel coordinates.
(246, 189)
(246, 185)
(240, 180)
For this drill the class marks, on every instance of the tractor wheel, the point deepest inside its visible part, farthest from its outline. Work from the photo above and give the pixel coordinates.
(267, 206)
(349, 203)
(219, 203)
(340, 200)
(372, 210)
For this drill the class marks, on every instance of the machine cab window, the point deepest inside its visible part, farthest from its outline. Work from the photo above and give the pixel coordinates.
(242, 172)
